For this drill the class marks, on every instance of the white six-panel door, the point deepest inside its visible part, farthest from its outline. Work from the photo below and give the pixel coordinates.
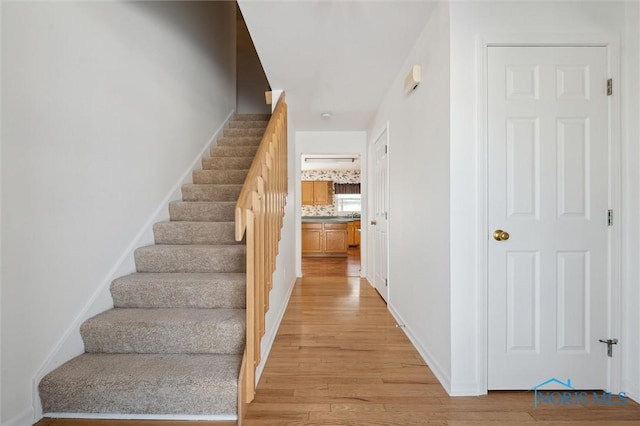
(380, 212)
(548, 189)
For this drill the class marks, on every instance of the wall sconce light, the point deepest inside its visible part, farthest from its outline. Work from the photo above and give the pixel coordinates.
(413, 79)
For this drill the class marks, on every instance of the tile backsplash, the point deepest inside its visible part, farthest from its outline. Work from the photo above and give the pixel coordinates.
(337, 176)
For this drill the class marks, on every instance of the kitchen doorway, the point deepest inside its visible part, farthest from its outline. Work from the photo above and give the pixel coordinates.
(331, 208)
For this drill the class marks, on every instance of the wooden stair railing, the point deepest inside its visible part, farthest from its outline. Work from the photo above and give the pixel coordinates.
(259, 215)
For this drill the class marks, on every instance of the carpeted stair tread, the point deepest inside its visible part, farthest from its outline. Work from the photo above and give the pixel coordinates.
(239, 141)
(143, 384)
(251, 117)
(176, 232)
(211, 191)
(247, 124)
(220, 176)
(200, 211)
(233, 151)
(180, 290)
(190, 258)
(174, 330)
(227, 163)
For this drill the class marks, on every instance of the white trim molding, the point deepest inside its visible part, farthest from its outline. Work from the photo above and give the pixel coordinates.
(436, 369)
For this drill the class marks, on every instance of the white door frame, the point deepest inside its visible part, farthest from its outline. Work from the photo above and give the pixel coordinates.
(612, 44)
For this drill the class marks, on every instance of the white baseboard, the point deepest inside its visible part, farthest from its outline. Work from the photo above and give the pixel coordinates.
(441, 375)
(175, 417)
(465, 389)
(268, 339)
(631, 390)
(70, 344)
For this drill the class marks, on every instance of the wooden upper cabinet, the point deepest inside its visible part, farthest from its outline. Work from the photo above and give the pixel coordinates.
(307, 193)
(317, 192)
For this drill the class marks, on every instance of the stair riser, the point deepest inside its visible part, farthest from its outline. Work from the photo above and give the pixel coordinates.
(227, 163)
(234, 151)
(202, 211)
(251, 117)
(195, 233)
(190, 259)
(228, 132)
(127, 292)
(240, 141)
(248, 124)
(211, 192)
(150, 338)
(220, 176)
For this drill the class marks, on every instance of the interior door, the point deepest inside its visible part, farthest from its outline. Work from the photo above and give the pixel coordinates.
(548, 237)
(380, 215)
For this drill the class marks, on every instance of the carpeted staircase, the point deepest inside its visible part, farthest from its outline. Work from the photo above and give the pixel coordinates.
(173, 343)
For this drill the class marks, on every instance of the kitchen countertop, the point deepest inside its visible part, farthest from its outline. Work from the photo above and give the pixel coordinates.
(328, 219)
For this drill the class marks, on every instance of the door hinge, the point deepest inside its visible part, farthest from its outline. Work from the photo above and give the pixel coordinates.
(386, 282)
(609, 217)
(610, 87)
(609, 343)
(386, 149)
(386, 215)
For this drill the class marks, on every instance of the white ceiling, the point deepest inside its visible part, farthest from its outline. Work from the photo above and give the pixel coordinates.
(334, 56)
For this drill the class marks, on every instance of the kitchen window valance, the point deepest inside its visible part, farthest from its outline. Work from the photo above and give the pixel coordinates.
(347, 188)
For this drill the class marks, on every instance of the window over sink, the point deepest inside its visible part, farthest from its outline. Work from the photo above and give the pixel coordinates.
(348, 203)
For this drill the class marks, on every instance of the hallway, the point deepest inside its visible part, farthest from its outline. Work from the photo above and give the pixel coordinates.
(339, 358)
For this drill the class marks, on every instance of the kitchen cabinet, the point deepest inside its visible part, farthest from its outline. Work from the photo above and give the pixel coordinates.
(317, 192)
(312, 238)
(324, 239)
(353, 233)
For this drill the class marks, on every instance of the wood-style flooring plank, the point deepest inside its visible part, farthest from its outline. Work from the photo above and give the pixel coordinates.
(115, 422)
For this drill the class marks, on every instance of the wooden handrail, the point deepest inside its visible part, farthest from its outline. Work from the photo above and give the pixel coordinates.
(259, 215)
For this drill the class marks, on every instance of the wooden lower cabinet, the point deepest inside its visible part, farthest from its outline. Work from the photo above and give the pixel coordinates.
(335, 238)
(312, 238)
(324, 239)
(353, 233)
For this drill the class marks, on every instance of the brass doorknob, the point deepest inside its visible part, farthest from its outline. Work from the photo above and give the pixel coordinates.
(500, 235)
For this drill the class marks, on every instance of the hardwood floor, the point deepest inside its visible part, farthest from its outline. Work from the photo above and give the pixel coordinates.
(107, 422)
(333, 266)
(339, 359)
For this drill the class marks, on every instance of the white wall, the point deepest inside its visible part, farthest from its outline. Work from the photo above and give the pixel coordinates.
(251, 80)
(513, 20)
(347, 142)
(419, 195)
(630, 92)
(105, 105)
